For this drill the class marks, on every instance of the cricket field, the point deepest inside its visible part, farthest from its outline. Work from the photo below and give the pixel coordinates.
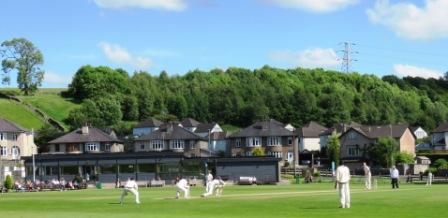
(302, 200)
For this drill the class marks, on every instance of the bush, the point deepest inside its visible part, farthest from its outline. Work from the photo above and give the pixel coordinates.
(9, 183)
(316, 174)
(286, 164)
(258, 151)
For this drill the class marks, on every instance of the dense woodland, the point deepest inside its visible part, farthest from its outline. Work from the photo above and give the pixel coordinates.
(240, 96)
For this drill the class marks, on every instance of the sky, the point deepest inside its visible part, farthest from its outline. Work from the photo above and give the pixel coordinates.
(400, 37)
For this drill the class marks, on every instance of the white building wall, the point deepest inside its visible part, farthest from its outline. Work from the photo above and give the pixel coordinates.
(309, 144)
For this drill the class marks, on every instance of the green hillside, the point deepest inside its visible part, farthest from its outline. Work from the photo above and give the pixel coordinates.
(49, 101)
(18, 113)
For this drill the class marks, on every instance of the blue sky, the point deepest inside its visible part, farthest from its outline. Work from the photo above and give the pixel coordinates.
(408, 37)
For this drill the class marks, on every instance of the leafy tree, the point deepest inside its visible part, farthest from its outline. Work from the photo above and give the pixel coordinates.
(9, 183)
(405, 158)
(21, 55)
(441, 164)
(101, 112)
(334, 147)
(129, 108)
(47, 133)
(258, 151)
(384, 151)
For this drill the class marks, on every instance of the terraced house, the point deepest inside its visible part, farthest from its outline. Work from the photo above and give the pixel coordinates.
(15, 142)
(272, 135)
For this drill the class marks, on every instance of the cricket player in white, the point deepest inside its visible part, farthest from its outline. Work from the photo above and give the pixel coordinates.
(367, 176)
(430, 178)
(132, 187)
(208, 181)
(182, 186)
(343, 180)
(217, 186)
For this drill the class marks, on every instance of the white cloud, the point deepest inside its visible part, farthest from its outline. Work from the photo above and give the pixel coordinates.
(120, 55)
(413, 71)
(410, 21)
(53, 78)
(314, 5)
(171, 5)
(312, 58)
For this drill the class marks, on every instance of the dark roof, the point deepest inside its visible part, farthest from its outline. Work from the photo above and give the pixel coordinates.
(94, 135)
(152, 122)
(340, 128)
(374, 132)
(104, 156)
(189, 122)
(170, 132)
(441, 128)
(204, 127)
(311, 130)
(7, 126)
(263, 128)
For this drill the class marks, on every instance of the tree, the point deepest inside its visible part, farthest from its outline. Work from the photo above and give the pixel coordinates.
(101, 112)
(384, 151)
(405, 158)
(46, 134)
(21, 55)
(334, 147)
(9, 183)
(258, 151)
(441, 164)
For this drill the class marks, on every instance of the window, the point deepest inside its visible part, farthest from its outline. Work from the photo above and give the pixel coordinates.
(289, 140)
(274, 141)
(352, 135)
(2, 136)
(69, 170)
(127, 168)
(73, 148)
(276, 154)
(56, 148)
(108, 169)
(14, 137)
(177, 144)
(353, 150)
(142, 147)
(157, 145)
(91, 146)
(192, 144)
(3, 151)
(238, 143)
(248, 154)
(254, 142)
(107, 147)
(146, 168)
(15, 152)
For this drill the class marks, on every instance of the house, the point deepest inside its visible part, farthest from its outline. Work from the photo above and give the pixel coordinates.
(190, 124)
(172, 137)
(440, 137)
(146, 127)
(338, 129)
(271, 135)
(15, 142)
(86, 140)
(419, 132)
(356, 141)
(309, 137)
(215, 135)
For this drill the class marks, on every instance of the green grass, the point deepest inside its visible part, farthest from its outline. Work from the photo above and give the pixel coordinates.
(303, 200)
(230, 128)
(18, 113)
(50, 102)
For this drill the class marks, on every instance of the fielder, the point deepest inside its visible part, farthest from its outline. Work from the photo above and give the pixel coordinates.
(367, 176)
(343, 180)
(182, 186)
(430, 178)
(132, 187)
(217, 186)
(209, 179)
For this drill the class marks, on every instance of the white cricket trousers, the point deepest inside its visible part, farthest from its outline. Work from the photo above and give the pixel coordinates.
(185, 190)
(368, 182)
(131, 190)
(344, 194)
(209, 190)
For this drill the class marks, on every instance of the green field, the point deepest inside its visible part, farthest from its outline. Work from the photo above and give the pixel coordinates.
(316, 200)
(18, 113)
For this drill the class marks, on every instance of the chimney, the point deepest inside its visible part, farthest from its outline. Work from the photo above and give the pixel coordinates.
(85, 130)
